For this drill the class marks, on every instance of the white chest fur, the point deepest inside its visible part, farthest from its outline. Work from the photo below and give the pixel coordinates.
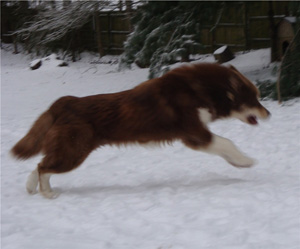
(204, 115)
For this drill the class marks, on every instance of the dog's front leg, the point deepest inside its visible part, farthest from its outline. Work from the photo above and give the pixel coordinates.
(226, 149)
(223, 147)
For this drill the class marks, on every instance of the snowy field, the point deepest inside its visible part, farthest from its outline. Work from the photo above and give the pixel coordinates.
(149, 198)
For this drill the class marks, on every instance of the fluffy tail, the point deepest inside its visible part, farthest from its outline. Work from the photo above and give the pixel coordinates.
(31, 144)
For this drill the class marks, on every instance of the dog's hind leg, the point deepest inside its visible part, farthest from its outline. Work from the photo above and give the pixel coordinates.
(32, 182)
(65, 149)
(42, 175)
(45, 188)
(55, 164)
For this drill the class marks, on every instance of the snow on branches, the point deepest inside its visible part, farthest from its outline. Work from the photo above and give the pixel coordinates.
(51, 24)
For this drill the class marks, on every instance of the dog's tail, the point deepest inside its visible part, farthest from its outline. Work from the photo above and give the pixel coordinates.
(31, 144)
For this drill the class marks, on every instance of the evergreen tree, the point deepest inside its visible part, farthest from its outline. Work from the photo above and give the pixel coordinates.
(290, 71)
(166, 32)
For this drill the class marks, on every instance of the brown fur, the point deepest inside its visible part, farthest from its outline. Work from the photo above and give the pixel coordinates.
(159, 110)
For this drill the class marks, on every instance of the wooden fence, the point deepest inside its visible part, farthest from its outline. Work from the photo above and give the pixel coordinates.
(240, 25)
(243, 26)
(113, 29)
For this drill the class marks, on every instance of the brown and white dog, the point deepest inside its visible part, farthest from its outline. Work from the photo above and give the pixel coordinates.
(176, 106)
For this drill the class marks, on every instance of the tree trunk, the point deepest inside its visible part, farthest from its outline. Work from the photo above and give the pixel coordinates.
(66, 3)
(120, 5)
(15, 44)
(98, 34)
(128, 4)
(24, 5)
(53, 4)
(223, 54)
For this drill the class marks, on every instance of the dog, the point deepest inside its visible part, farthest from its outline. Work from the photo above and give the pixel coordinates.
(175, 106)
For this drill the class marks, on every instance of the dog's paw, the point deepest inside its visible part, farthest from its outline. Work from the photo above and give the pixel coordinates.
(241, 162)
(31, 190)
(50, 194)
(32, 182)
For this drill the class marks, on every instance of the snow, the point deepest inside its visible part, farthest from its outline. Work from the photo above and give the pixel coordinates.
(166, 197)
(291, 19)
(220, 50)
(34, 63)
(254, 64)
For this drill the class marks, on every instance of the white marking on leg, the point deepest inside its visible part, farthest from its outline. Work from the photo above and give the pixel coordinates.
(32, 182)
(225, 148)
(44, 183)
(45, 188)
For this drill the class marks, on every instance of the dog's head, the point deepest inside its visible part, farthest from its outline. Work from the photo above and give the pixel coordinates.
(244, 97)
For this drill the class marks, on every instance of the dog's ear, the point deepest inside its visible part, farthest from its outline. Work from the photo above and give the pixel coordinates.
(237, 80)
(234, 81)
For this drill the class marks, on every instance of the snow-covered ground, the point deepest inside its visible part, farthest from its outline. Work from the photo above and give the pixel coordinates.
(149, 198)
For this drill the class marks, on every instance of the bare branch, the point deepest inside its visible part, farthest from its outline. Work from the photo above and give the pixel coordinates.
(52, 24)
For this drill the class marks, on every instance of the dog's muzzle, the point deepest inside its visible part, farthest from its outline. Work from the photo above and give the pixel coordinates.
(260, 113)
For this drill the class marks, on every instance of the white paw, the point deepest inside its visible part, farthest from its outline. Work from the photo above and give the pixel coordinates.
(32, 182)
(31, 190)
(49, 194)
(241, 162)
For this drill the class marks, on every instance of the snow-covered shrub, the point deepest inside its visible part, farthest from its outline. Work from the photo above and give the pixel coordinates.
(290, 70)
(267, 89)
(166, 32)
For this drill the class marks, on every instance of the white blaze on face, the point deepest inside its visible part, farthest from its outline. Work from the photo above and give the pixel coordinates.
(205, 115)
(250, 115)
